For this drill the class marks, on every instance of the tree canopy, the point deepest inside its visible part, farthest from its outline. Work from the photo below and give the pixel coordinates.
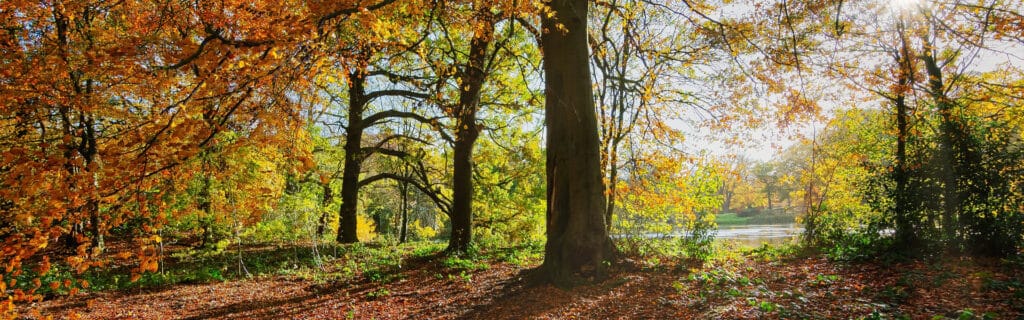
(502, 124)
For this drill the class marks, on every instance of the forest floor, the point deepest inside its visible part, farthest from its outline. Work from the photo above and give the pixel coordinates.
(750, 284)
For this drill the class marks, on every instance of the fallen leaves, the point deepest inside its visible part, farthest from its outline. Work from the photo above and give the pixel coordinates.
(747, 288)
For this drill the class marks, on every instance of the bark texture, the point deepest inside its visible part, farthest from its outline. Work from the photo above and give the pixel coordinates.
(578, 245)
(353, 160)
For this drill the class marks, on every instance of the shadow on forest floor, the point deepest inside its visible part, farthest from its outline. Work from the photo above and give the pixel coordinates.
(419, 283)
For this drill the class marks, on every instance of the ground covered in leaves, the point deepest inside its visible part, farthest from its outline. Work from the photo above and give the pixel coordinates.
(754, 284)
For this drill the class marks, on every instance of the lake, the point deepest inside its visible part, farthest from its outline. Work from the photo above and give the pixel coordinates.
(748, 235)
(753, 235)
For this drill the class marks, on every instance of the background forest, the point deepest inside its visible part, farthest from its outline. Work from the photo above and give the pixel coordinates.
(253, 137)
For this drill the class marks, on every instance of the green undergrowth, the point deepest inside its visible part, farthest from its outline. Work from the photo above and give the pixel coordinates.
(379, 262)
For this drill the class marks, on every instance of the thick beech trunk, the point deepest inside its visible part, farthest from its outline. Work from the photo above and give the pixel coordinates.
(462, 191)
(353, 160)
(578, 244)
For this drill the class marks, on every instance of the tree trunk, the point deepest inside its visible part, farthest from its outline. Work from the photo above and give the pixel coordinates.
(462, 191)
(353, 160)
(473, 77)
(727, 193)
(578, 244)
(98, 242)
(380, 221)
(403, 232)
(204, 203)
(905, 230)
(325, 202)
(89, 151)
(948, 133)
(904, 226)
(613, 180)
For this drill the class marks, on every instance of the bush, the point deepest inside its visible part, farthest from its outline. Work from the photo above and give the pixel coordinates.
(698, 244)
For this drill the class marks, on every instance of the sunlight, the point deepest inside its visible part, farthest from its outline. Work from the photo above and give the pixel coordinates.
(903, 5)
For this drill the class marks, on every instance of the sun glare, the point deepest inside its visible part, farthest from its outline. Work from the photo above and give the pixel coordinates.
(903, 5)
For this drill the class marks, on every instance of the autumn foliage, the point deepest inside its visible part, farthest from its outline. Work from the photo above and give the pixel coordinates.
(130, 127)
(108, 105)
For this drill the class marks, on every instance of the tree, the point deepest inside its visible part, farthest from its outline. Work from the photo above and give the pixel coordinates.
(470, 76)
(734, 176)
(768, 174)
(356, 154)
(109, 99)
(465, 59)
(578, 244)
(833, 169)
(359, 73)
(925, 71)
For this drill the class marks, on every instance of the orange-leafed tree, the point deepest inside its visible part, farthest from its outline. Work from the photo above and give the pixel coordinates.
(103, 101)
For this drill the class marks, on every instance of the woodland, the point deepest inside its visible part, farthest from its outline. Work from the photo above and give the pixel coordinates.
(510, 159)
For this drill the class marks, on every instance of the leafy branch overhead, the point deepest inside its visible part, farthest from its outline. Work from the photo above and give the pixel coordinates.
(137, 137)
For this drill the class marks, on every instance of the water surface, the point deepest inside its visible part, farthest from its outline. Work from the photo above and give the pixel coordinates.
(754, 235)
(746, 235)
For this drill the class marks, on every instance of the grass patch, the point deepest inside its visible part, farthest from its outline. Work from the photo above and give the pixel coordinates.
(733, 219)
(729, 219)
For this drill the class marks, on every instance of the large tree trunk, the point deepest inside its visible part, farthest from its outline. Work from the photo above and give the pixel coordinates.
(462, 191)
(353, 160)
(466, 133)
(578, 244)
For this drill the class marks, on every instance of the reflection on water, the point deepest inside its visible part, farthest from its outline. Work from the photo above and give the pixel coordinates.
(754, 235)
(747, 235)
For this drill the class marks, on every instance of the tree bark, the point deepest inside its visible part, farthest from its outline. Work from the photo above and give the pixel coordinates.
(462, 190)
(613, 180)
(89, 151)
(353, 160)
(466, 132)
(906, 233)
(578, 244)
(404, 186)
